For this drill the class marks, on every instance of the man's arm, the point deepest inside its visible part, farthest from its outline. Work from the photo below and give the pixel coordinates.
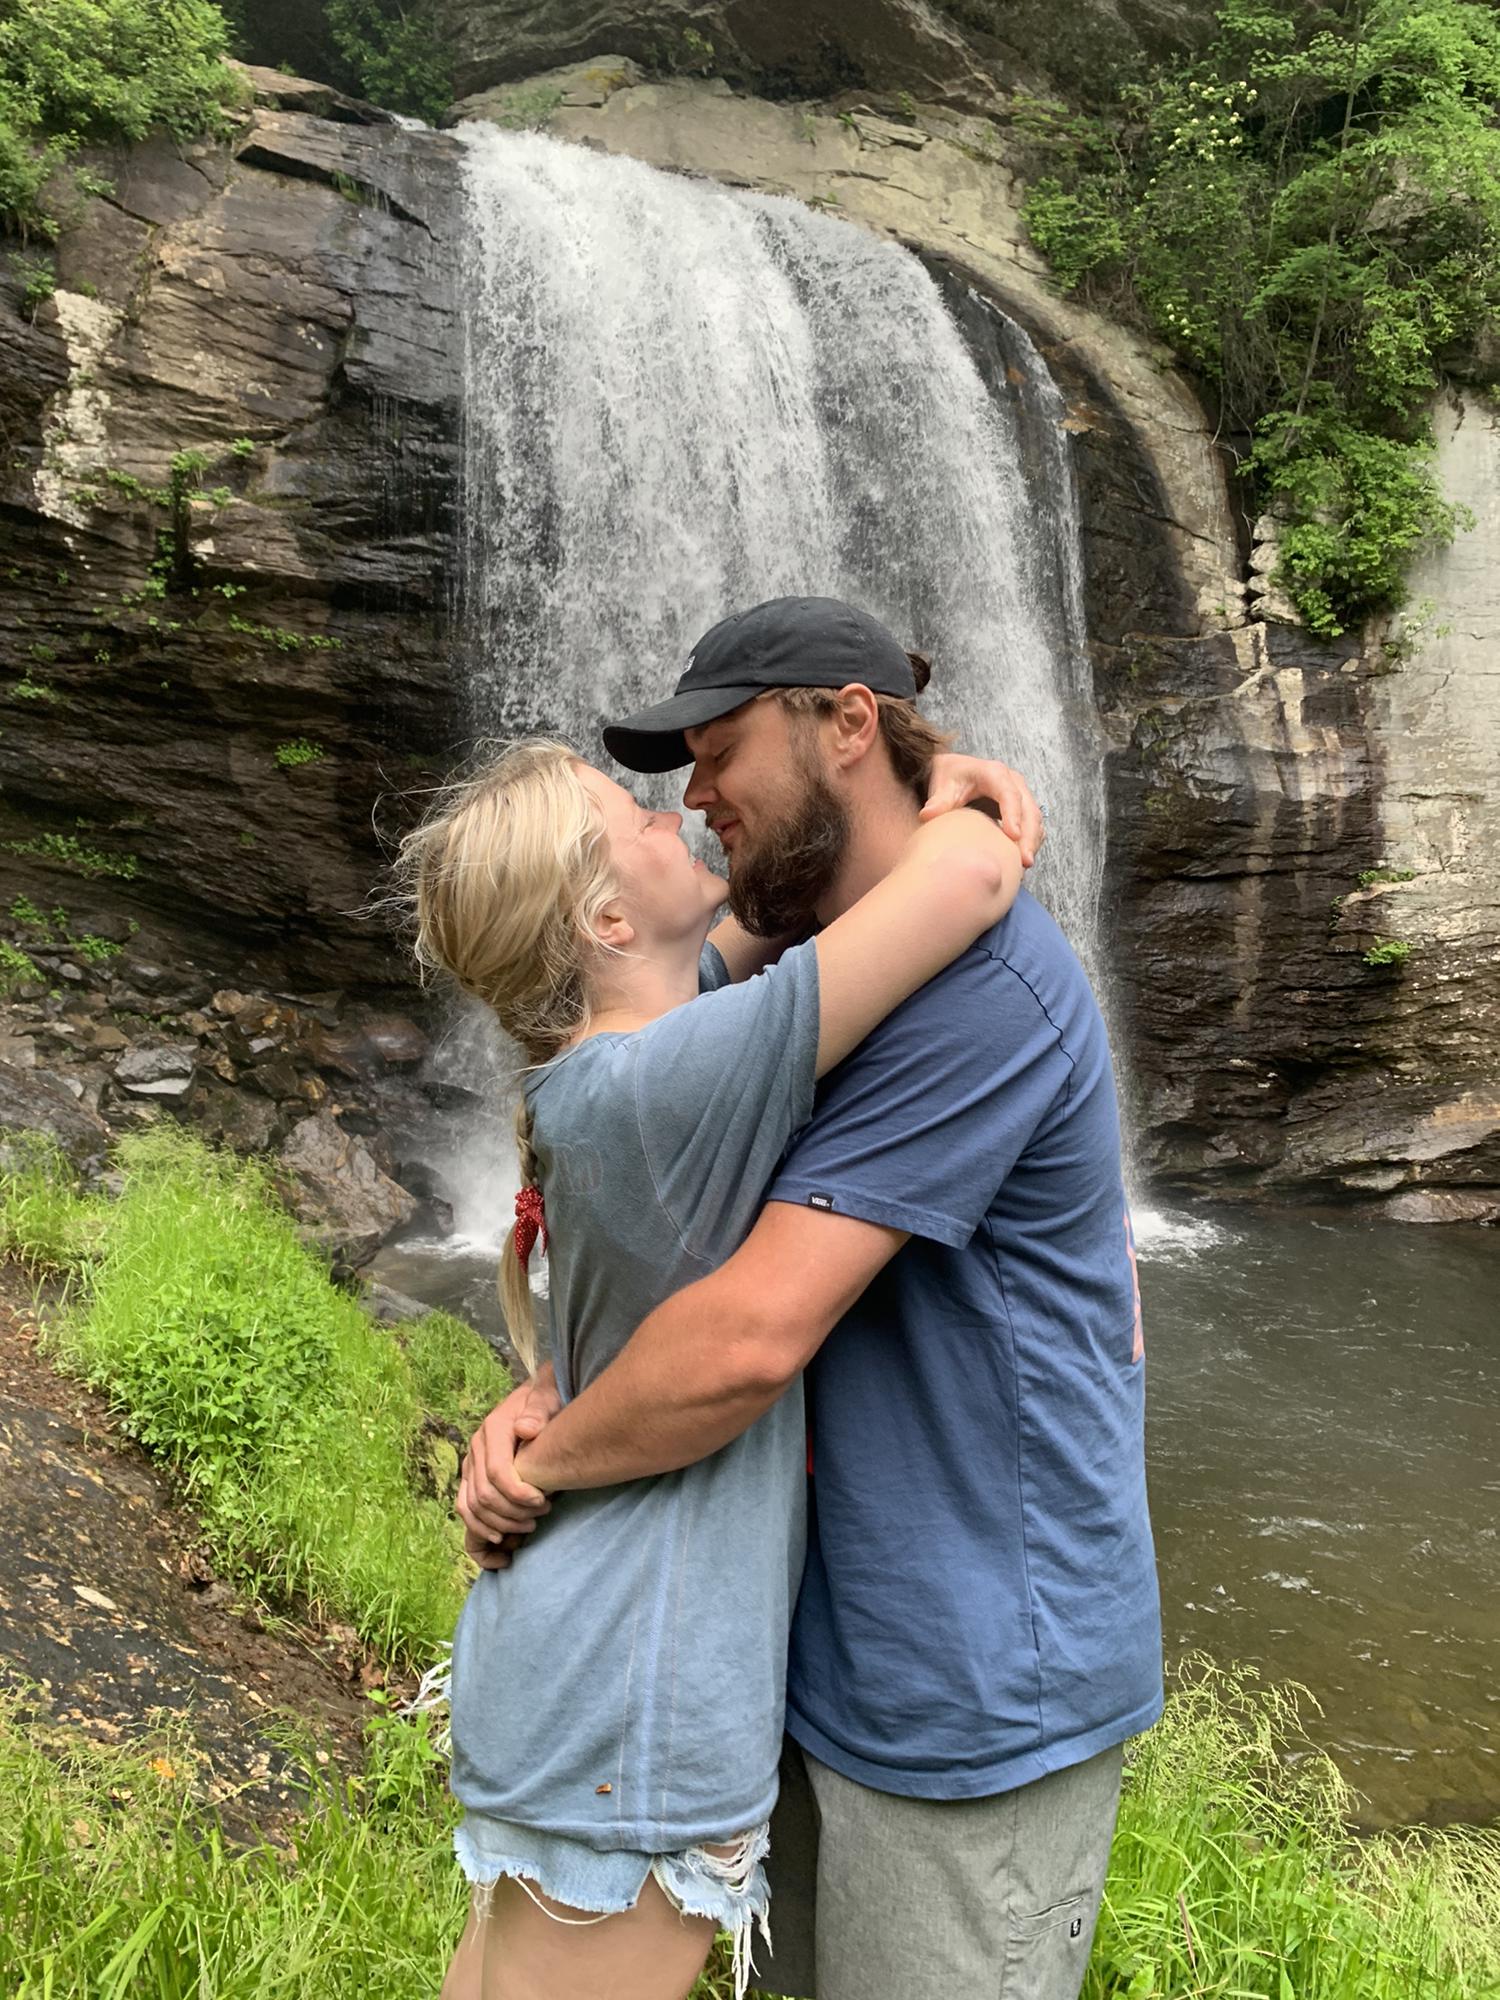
(703, 1367)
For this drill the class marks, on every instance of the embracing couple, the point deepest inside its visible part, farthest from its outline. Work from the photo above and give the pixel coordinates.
(817, 1575)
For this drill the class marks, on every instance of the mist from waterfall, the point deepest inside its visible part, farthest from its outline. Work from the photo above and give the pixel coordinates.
(681, 399)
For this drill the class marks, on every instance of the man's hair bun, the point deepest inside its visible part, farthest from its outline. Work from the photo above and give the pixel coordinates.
(921, 667)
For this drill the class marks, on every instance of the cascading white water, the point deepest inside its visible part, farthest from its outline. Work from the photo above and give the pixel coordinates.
(682, 399)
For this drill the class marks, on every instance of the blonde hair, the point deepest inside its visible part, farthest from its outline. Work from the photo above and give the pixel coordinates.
(508, 875)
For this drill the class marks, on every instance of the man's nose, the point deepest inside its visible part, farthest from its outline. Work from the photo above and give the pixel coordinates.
(699, 791)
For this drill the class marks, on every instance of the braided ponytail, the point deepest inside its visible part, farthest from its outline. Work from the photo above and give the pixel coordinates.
(509, 875)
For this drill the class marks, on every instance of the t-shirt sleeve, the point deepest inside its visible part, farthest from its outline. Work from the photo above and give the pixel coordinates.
(919, 1126)
(712, 971)
(722, 1083)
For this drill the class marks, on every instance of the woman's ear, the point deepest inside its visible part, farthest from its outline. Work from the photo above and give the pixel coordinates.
(613, 930)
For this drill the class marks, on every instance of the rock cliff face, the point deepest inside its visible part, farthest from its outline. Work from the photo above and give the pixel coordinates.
(226, 509)
(960, 54)
(211, 675)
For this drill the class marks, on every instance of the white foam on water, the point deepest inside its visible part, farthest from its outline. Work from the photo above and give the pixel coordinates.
(1173, 1236)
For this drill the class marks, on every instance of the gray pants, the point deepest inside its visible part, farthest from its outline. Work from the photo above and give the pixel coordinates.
(917, 1899)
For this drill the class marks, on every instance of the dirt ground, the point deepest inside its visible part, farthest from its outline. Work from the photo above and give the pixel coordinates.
(110, 1608)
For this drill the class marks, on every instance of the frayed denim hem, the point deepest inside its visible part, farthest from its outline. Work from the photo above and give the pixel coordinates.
(730, 1889)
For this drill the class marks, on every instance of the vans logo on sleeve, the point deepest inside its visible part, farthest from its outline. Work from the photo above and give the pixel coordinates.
(820, 1201)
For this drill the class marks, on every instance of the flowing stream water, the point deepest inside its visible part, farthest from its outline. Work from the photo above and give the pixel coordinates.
(682, 399)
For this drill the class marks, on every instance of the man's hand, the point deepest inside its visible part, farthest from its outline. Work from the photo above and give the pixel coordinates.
(958, 781)
(499, 1509)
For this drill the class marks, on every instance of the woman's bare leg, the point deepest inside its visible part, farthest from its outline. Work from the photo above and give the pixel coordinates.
(652, 1952)
(465, 1980)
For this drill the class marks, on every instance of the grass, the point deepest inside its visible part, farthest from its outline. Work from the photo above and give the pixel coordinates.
(1233, 1876)
(114, 1885)
(293, 1422)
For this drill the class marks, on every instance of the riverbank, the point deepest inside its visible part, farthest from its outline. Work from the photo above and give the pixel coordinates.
(312, 1448)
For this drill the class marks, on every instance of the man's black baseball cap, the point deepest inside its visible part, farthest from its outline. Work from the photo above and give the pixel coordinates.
(785, 643)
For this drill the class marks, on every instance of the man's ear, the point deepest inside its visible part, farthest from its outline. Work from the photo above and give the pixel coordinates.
(856, 725)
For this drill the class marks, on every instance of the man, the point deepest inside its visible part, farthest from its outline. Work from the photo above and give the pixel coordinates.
(946, 1251)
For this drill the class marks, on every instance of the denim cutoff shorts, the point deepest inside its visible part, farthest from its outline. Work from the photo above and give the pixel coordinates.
(729, 1888)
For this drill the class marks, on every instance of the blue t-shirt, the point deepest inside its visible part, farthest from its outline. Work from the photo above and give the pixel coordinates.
(979, 1605)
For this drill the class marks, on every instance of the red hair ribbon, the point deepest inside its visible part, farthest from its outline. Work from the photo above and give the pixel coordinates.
(531, 1221)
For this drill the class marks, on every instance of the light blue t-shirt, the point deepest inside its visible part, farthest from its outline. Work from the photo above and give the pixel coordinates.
(622, 1684)
(980, 1602)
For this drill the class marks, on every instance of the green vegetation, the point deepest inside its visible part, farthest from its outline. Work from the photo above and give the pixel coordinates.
(70, 852)
(299, 751)
(74, 71)
(24, 911)
(97, 950)
(243, 448)
(291, 1419)
(1309, 214)
(390, 51)
(1388, 951)
(26, 689)
(282, 639)
(46, 1225)
(1374, 878)
(116, 1886)
(38, 283)
(16, 968)
(1233, 1875)
(527, 110)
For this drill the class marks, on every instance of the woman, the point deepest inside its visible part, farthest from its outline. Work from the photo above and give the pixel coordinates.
(617, 1695)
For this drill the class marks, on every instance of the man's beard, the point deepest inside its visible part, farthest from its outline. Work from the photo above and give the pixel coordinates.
(775, 886)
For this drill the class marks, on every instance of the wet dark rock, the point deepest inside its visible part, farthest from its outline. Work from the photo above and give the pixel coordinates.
(156, 1069)
(35, 1101)
(277, 1077)
(390, 1307)
(346, 1205)
(803, 48)
(243, 1120)
(283, 305)
(399, 1042)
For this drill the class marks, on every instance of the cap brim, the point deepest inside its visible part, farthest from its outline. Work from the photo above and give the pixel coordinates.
(652, 739)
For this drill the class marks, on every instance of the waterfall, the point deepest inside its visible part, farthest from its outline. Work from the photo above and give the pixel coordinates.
(681, 399)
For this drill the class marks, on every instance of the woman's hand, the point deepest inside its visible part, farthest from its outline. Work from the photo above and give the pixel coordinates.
(958, 781)
(497, 1507)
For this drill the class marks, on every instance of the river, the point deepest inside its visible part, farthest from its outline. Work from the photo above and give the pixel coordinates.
(1324, 1416)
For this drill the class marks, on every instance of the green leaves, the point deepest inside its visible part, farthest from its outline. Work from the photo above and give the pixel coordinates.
(78, 70)
(1310, 215)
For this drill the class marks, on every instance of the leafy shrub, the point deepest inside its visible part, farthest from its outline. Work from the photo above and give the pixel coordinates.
(287, 1413)
(16, 968)
(68, 851)
(1309, 213)
(397, 53)
(79, 70)
(299, 751)
(1388, 951)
